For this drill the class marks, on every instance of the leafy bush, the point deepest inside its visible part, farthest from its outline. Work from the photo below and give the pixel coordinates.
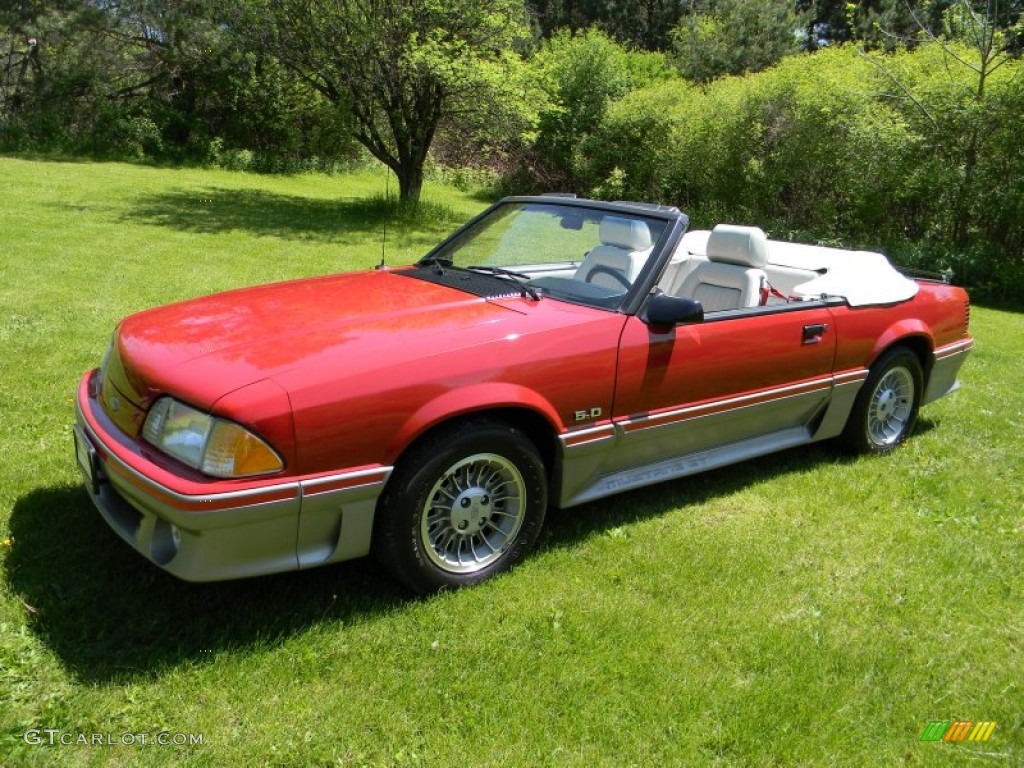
(122, 132)
(631, 154)
(580, 75)
(899, 153)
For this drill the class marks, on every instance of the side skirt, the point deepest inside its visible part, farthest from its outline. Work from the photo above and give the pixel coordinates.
(702, 461)
(785, 422)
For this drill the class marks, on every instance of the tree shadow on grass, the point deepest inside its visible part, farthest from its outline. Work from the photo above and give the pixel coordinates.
(110, 615)
(216, 210)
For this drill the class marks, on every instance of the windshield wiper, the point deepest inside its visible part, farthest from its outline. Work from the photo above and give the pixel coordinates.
(525, 289)
(439, 262)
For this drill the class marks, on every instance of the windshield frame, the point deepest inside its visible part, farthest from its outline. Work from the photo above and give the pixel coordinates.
(675, 225)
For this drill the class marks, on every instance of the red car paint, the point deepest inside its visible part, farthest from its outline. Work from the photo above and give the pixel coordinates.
(341, 374)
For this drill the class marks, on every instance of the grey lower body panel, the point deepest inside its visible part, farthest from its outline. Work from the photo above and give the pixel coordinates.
(946, 363)
(690, 464)
(637, 452)
(611, 459)
(297, 524)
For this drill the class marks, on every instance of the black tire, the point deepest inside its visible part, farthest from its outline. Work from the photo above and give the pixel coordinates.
(464, 504)
(886, 407)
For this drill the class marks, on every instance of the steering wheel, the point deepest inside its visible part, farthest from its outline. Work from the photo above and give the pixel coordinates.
(601, 269)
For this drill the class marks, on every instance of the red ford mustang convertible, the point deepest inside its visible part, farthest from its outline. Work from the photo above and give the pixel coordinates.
(552, 351)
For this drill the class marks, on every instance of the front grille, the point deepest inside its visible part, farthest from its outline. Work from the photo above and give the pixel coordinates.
(123, 412)
(114, 396)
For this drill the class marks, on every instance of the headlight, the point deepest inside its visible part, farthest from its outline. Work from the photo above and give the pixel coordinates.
(211, 445)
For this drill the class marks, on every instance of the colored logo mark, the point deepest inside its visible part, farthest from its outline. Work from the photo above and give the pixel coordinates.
(958, 730)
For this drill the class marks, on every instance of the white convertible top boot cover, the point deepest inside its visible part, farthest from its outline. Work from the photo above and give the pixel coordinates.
(863, 278)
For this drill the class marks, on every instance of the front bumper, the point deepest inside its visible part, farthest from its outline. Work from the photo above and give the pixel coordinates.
(216, 530)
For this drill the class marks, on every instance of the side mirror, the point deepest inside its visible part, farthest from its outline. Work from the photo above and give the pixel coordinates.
(664, 312)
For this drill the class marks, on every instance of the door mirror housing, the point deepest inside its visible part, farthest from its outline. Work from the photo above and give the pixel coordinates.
(664, 312)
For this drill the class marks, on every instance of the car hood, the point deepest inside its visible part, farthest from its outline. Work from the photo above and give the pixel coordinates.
(204, 348)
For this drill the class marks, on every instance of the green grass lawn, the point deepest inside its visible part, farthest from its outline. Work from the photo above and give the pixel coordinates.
(798, 610)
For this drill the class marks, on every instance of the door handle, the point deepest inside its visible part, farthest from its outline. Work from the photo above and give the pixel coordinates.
(812, 333)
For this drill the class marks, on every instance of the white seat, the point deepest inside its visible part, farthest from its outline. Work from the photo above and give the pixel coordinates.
(733, 275)
(687, 255)
(625, 246)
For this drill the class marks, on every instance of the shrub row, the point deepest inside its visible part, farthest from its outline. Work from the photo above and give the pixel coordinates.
(902, 153)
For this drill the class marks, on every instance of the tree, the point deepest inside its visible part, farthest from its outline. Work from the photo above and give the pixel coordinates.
(642, 24)
(101, 72)
(974, 37)
(579, 74)
(21, 60)
(20, 64)
(887, 24)
(729, 37)
(400, 66)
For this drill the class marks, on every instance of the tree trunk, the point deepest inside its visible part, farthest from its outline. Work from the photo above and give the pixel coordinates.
(962, 208)
(410, 181)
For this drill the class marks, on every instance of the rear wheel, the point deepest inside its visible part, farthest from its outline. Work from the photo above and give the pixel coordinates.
(886, 407)
(463, 505)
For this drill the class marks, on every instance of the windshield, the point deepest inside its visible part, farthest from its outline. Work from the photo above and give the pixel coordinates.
(568, 252)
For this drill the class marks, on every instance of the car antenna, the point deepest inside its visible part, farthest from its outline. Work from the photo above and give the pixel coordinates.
(387, 205)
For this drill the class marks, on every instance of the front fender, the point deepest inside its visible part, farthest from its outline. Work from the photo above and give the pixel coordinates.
(265, 408)
(473, 399)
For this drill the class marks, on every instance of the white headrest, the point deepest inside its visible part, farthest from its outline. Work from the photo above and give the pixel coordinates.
(732, 244)
(625, 233)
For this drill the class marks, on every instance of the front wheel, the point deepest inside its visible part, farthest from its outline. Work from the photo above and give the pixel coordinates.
(463, 505)
(886, 408)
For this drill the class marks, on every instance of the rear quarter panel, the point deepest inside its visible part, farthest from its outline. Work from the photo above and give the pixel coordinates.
(936, 316)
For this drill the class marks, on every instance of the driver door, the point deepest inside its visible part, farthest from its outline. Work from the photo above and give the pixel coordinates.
(745, 383)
